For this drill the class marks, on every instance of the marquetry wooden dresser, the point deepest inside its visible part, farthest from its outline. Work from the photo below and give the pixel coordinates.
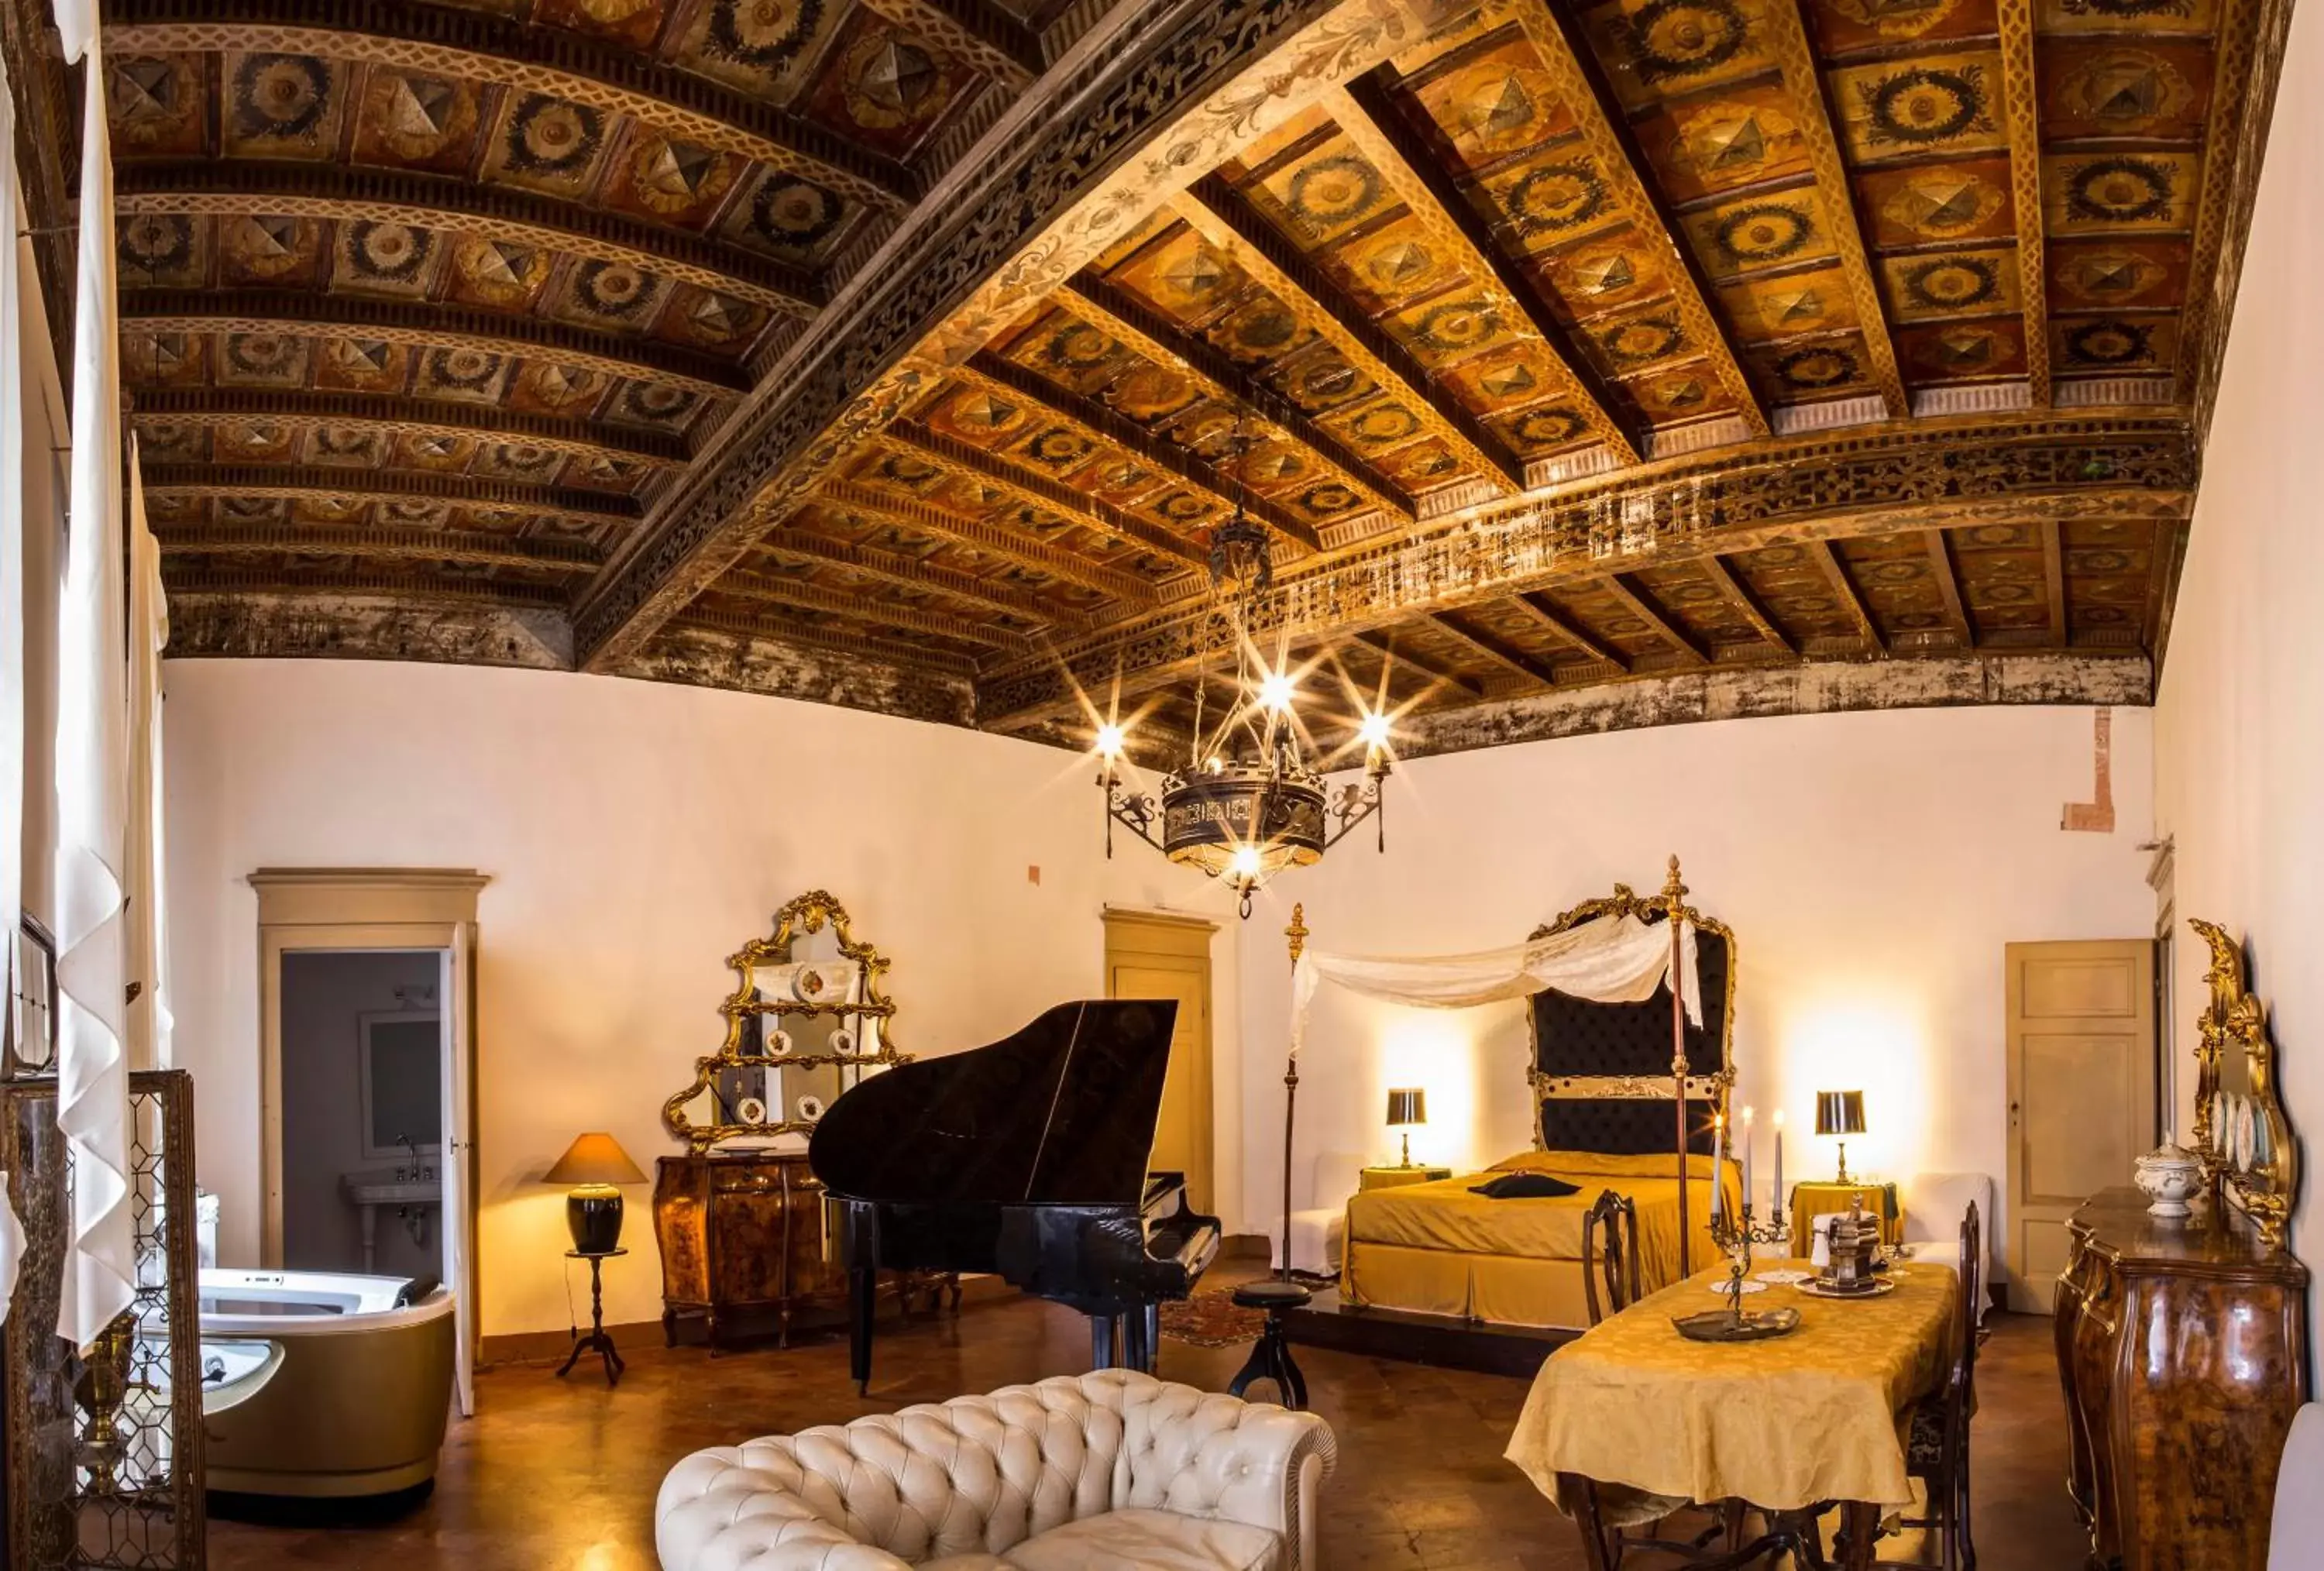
(2184, 1347)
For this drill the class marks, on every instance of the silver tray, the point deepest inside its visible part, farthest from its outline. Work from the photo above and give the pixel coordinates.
(1722, 1326)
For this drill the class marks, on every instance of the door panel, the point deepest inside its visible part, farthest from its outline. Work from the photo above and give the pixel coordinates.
(2081, 1049)
(1181, 1135)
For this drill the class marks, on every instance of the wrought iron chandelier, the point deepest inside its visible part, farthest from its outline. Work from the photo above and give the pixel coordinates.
(1247, 803)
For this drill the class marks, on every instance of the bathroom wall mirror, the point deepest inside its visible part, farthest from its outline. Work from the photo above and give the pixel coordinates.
(809, 1017)
(2249, 1151)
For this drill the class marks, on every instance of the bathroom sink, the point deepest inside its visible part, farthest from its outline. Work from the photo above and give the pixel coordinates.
(386, 1189)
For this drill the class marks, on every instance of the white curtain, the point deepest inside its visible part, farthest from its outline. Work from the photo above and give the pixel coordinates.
(92, 760)
(13, 414)
(1612, 959)
(148, 908)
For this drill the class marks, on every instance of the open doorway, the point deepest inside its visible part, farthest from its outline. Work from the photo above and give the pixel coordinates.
(364, 1044)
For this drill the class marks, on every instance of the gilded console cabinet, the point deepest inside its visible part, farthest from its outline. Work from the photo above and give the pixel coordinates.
(2184, 1347)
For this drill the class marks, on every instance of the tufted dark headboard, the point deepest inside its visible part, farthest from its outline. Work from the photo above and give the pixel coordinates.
(1602, 1072)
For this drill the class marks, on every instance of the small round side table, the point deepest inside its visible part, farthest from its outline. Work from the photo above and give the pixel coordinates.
(598, 1341)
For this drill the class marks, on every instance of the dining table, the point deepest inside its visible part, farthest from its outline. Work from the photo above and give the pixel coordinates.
(1633, 1420)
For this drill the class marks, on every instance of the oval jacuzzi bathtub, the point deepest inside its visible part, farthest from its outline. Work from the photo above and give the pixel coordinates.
(320, 1383)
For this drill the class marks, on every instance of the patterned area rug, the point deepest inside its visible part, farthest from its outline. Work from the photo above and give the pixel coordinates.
(1212, 1318)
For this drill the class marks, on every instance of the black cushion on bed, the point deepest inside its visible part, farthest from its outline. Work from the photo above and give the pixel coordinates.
(1574, 1036)
(1525, 1187)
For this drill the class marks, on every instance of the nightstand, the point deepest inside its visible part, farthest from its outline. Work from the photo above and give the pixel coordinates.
(1812, 1198)
(1390, 1178)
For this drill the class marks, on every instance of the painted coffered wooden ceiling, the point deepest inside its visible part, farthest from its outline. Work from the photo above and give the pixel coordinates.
(1589, 364)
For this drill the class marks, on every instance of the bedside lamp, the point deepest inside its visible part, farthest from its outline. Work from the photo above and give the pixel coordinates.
(1407, 1105)
(593, 1165)
(1840, 1113)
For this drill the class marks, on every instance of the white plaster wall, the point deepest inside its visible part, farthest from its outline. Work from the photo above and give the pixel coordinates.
(2240, 722)
(1872, 866)
(636, 834)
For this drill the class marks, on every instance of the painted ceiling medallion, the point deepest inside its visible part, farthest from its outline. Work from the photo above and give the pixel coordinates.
(549, 136)
(1896, 19)
(262, 354)
(464, 368)
(612, 289)
(1952, 283)
(152, 243)
(1384, 423)
(1817, 368)
(891, 81)
(1327, 499)
(763, 34)
(1457, 326)
(2128, 91)
(1557, 197)
(1058, 449)
(1333, 192)
(1672, 40)
(1549, 427)
(2110, 343)
(2128, 189)
(1940, 204)
(795, 212)
(1642, 340)
(1077, 347)
(1925, 106)
(281, 97)
(395, 253)
(1763, 232)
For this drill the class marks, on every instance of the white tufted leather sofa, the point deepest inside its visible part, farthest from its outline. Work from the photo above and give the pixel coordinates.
(1098, 1472)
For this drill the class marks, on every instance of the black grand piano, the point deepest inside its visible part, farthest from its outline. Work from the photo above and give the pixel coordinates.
(1025, 1157)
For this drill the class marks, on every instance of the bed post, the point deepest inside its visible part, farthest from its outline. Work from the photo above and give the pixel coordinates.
(1297, 933)
(1673, 899)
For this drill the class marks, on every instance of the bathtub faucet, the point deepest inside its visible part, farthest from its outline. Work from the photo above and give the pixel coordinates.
(410, 1151)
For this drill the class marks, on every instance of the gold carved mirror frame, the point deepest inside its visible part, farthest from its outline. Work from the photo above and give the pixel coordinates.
(2233, 1028)
(810, 913)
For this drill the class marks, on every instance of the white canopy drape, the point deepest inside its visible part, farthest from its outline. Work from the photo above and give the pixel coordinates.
(92, 760)
(12, 416)
(149, 905)
(1612, 959)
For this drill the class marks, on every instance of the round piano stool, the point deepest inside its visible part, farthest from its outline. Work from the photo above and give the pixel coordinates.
(1270, 1358)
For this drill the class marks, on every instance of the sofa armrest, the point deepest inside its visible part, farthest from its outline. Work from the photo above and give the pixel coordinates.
(716, 1509)
(1212, 1456)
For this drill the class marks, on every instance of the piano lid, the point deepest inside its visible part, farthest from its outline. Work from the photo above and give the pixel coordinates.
(1061, 1112)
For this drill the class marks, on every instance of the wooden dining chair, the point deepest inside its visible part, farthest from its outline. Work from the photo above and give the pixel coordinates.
(1617, 1263)
(1938, 1451)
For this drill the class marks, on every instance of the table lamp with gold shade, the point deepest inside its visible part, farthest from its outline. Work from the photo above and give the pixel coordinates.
(594, 1164)
(1407, 1105)
(1842, 1113)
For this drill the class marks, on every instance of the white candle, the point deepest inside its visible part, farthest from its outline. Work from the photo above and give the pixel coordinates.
(1777, 1209)
(1718, 1166)
(1747, 1159)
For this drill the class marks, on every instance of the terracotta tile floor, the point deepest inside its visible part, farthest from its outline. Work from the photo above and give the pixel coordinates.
(559, 1475)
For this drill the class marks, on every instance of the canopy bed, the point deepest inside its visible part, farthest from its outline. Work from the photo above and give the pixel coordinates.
(1630, 1018)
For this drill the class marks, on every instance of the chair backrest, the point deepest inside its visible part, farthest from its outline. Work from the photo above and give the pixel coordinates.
(1961, 1385)
(1616, 1262)
(2297, 1527)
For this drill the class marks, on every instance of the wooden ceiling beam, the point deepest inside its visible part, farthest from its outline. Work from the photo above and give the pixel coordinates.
(1787, 40)
(1217, 212)
(1639, 601)
(294, 483)
(1384, 645)
(1844, 590)
(1538, 606)
(1107, 428)
(1128, 320)
(856, 644)
(1040, 490)
(977, 534)
(2053, 578)
(230, 187)
(984, 36)
(1756, 614)
(1947, 574)
(209, 408)
(1508, 656)
(466, 547)
(911, 573)
(404, 587)
(481, 46)
(425, 326)
(1369, 119)
(1582, 86)
(773, 590)
(2020, 98)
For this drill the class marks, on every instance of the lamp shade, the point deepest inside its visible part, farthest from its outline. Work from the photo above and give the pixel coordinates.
(1408, 1105)
(1840, 1113)
(595, 1159)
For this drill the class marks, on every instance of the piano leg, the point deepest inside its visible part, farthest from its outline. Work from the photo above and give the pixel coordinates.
(1134, 1353)
(863, 1298)
(1153, 1336)
(1100, 1341)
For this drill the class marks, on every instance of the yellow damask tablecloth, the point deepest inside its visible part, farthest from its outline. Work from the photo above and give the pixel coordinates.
(1783, 1424)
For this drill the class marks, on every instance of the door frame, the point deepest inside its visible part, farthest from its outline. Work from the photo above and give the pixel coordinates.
(1170, 939)
(373, 908)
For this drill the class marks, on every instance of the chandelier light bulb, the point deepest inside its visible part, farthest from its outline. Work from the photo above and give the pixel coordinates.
(1274, 691)
(1244, 865)
(1373, 730)
(1110, 740)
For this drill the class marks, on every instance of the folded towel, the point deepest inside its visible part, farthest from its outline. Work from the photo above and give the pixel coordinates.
(1524, 1187)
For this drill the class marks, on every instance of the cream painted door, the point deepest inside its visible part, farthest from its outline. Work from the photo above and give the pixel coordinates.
(2081, 1092)
(1169, 957)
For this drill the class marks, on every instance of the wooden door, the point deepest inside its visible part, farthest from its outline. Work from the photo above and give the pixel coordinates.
(1162, 955)
(2081, 1092)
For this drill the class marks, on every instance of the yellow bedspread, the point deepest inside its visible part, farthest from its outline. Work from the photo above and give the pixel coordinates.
(1438, 1249)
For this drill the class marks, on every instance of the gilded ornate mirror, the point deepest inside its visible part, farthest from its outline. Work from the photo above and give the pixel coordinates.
(808, 1018)
(2251, 1158)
